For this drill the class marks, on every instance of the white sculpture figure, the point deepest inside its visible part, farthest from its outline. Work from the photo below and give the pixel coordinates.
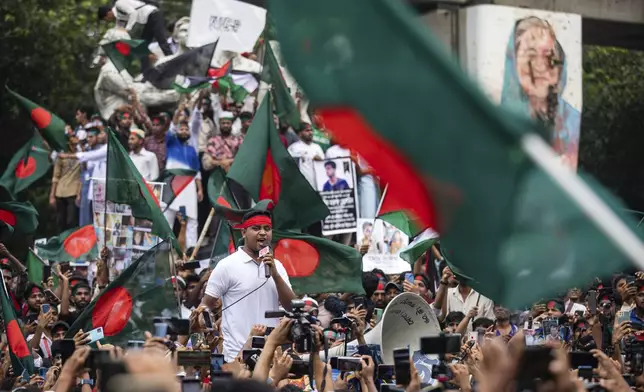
(109, 91)
(180, 37)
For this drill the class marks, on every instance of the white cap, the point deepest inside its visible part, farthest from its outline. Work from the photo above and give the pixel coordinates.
(226, 115)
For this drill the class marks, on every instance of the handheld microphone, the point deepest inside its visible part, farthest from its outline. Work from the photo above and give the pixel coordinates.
(267, 268)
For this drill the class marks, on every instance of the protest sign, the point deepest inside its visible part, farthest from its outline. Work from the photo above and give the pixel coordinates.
(385, 243)
(126, 237)
(336, 184)
(237, 25)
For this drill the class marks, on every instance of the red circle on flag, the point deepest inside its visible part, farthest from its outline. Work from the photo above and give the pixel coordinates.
(299, 258)
(16, 340)
(123, 48)
(80, 242)
(223, 202)
(8, 217)
(25, 169)
(41, 118)
(112, 311)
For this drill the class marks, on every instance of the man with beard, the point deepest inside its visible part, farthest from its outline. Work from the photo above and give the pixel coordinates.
(181, 147)
(246, 119)
(240, 282)
(573, 302)
(42, 338)
(144, 160)
(625, 287)
(222, 148)
(379, 297)
(34, 297)
(155, 142)
(123, 118)
(81, 297)
(191, 295)
(503, 326)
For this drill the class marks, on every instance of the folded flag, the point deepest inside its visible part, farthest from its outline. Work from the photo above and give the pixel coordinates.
(20, 353)
(71, 245)
(123, 52)
(127, 307)
(50, 126)
(35, 268)
(397, 213)
(223, 201)
(285, 107)
(239, 85)
(17, 218)
(463, 165)
(175, 180)
(191, 84)
(194, 62)
(30, 163)
(265, 169)
(126, 186)
(318, 265)
(421, 244)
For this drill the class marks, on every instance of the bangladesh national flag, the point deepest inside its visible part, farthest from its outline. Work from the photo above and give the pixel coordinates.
(35, 268)
(18, 218)
(126, 186)
(398, 213)
(285, 107)
(421, 244)
(465, 165)
(27, 165)
(223, 201)
(128, 306)
(71, 245)
(175, 180)
(317, 265)
(124, 51)
(21, 358)
(266, 170)
(50, 126)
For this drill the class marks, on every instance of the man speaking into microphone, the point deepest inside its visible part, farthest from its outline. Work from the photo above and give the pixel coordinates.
(249, 282)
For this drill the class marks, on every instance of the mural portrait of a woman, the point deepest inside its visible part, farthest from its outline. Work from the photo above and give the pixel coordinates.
(534, 82)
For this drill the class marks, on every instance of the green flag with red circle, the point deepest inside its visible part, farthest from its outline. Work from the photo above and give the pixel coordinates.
(19, 351)
(17, 218)
(27, 165)
(318, 265)
(79, 243)
(50, 126)
(128, 305)
(123, 52)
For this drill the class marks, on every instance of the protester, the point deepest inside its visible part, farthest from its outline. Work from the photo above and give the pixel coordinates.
(144, 160)
(65, 192)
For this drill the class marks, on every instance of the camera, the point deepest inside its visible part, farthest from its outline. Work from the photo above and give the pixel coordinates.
(441, 345)
(634, 352)
(301, 333)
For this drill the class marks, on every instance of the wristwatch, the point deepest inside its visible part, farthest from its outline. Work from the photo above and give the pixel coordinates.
(89, 382)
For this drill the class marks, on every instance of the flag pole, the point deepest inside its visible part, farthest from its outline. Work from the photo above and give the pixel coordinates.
(203, 233)
(596, 210)
(107, 171)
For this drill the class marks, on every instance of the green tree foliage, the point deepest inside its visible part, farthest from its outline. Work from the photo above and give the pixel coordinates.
(612, 133)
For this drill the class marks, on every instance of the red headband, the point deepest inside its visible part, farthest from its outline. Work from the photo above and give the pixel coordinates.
(258, 220)
(35, 290)
(640, 289)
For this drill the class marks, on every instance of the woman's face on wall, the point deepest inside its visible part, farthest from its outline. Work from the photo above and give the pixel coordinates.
(537, 62)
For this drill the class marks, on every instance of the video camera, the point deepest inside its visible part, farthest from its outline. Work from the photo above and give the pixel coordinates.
(301, 333)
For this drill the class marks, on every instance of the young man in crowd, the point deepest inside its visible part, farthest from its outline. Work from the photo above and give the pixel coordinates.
(305, 151)
(240, 281)
(65, 191)
(155, 142)
(144, 160)
(139, 12)
(181, 148)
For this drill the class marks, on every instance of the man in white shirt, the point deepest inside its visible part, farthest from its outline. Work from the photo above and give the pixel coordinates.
(245, 288)
(144, 160)
(305, 152)
(135, 11)
(463, 298)
(96, 161)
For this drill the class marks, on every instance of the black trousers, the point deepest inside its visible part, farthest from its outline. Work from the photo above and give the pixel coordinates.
(66, 213)
(154, 30)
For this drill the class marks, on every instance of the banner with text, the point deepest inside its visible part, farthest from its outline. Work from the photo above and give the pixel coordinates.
(336, 184)
(237, 25)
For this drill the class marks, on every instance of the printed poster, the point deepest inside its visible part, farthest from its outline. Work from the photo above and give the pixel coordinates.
(531, 61)
(385, 243)
(124, 235)
(336, 183)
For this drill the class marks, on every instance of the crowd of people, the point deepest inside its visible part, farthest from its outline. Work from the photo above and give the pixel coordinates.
(585, 339)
